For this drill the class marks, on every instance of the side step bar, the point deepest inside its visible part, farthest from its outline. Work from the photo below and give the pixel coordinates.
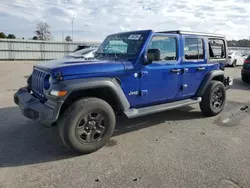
(136, 112)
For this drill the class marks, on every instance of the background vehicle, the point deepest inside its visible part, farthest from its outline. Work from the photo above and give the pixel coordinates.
(245, 56)
(245, 72)
(134, 74)
(82, 46)
(235, 58)
(85, 53)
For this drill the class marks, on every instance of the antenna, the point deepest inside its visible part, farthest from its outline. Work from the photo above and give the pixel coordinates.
(72, 24)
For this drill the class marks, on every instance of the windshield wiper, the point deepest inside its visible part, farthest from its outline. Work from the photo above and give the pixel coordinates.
(115, 55)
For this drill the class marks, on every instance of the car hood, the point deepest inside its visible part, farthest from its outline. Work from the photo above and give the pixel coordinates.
(79, 66)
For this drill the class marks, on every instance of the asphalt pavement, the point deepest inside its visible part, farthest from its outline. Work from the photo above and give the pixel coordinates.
(178, 148)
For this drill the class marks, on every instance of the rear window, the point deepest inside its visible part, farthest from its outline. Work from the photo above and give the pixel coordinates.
(217, 49)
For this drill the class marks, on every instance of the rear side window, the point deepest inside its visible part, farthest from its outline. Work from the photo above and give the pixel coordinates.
(167, 46)
(248, 58)
(217, 49)
(194, 49)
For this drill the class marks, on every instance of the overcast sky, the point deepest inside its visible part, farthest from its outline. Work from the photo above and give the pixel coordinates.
(94, 19)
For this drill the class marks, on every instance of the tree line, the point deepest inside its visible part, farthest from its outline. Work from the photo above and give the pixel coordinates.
(42, 32)
(239, 43)
(8, 36)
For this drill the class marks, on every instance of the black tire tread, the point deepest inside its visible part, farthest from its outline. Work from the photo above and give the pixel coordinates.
(205, 103)
(245, 79)
(83, 103)
(234, 63)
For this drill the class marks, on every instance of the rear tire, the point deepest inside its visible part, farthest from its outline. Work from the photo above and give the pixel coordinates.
(214, 98)
(234, 63)
(87, 126)
(245, 79)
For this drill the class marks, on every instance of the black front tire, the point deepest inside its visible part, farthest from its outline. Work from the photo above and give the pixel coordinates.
(76, 114)
(212, 104)
(234, 63)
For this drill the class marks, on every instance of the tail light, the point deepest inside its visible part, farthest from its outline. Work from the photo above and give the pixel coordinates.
(247, 61)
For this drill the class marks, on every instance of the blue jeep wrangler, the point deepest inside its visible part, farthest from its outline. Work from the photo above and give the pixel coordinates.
(133, 73)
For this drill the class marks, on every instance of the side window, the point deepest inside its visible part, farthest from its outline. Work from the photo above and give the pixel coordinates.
(216, 49)
(167, 46)
(194, 49)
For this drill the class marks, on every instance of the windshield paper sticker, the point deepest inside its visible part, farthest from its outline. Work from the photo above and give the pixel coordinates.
(134, 37)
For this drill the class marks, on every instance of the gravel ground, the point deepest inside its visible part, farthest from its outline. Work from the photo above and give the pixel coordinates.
(178, 148)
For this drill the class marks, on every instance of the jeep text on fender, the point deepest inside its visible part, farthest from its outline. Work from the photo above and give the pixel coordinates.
(133, 73)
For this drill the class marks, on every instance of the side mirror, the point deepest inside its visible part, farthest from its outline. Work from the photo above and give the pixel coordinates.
(152, 55)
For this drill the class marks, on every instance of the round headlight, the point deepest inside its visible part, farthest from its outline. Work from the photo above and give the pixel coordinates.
(47, 81)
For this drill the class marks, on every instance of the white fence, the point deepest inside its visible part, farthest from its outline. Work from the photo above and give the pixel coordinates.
(37, 50)
(44, 50)
(243, 50)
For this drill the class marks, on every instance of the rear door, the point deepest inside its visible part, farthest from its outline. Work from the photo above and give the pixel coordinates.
(194, 65)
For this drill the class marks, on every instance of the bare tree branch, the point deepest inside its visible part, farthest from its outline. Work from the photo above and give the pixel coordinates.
(43, 31)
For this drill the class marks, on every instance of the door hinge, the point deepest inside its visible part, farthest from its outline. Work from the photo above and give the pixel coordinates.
(184, 86)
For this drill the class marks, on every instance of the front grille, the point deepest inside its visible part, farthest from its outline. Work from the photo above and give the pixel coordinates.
(38, 83)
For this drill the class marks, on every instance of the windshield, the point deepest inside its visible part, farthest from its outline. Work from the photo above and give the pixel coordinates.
(124, 44)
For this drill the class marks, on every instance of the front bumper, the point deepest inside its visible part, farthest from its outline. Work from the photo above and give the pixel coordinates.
(32, 108)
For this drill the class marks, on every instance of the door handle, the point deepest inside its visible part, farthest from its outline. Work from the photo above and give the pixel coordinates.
(201, 68)
(175, 70)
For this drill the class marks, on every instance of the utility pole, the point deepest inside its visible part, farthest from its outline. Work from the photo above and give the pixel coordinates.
(72, 24)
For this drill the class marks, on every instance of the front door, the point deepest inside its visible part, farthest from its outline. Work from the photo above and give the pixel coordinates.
(194, 66)
(160, 80)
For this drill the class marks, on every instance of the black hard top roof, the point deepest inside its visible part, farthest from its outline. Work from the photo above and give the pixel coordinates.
(192, 33)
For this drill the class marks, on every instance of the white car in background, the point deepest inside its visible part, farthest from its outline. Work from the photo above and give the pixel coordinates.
(86, 53)
(235, 58)
(245, 56)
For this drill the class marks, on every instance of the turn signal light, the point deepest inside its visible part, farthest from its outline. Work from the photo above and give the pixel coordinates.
(58, 93)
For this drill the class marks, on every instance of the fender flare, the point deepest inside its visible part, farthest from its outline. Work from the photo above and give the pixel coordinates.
(100, 82)
(206, 81)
